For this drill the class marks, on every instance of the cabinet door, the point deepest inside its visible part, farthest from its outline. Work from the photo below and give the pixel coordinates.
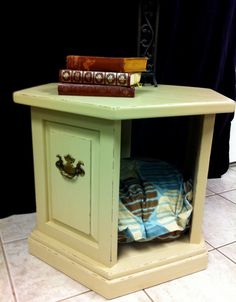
(71, 194)
(78, 209)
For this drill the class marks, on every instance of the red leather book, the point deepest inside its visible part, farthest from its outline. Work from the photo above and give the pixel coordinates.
(115, 64)
(95, 90)
(99, 77)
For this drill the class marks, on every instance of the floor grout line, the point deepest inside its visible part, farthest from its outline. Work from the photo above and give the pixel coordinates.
(234, 189)
(219, 194)
(148, 295)
(226, 256)
(15, 240)
(225, 197)
(213, 248)
(9, 273)
(226, 191)
(65, 299)
(219, 247)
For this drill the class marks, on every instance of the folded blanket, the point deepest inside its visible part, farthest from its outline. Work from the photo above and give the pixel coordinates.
(155, 202)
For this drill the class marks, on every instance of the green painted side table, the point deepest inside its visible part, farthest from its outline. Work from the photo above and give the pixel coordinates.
(77, 145)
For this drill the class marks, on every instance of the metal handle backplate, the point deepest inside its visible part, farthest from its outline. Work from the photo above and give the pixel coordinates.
(68, 169)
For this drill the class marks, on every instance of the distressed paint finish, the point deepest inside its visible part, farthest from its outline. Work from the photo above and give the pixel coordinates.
(76, 229)
(149, 101)
(81, 212)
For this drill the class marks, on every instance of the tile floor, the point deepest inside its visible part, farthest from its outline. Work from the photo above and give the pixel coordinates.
(24, 278)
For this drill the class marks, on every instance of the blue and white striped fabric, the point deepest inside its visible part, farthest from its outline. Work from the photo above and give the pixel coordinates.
(154, 202)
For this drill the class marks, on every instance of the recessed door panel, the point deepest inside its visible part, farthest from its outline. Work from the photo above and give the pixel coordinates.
(71, 149)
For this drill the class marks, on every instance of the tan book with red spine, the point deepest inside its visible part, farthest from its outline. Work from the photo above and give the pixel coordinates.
(115, 64)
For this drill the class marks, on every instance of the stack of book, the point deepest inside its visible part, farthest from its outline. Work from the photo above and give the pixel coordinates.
(101, 76)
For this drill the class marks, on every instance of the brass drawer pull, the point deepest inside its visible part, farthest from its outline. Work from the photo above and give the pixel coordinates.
(68, 169)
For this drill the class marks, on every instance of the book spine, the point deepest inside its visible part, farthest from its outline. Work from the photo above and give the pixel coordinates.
(95, 63)
(95, 90)
(94, 77)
